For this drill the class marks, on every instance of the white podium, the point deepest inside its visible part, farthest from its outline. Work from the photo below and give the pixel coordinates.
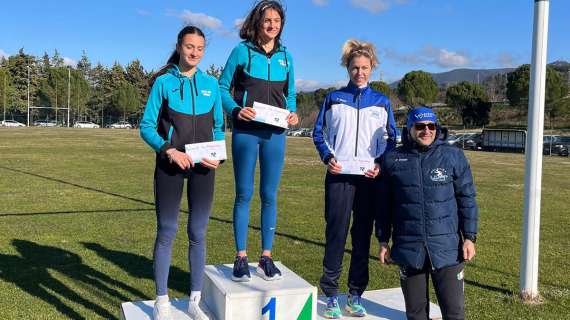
(380, 304)
(290, 298)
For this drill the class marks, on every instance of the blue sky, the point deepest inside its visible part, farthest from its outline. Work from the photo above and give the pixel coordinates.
(430, 35)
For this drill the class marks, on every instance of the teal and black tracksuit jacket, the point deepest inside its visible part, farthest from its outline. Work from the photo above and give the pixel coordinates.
(181, 110)
(249, 75)
(257, 76)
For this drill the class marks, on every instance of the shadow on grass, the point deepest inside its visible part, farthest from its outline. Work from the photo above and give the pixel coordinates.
(32, 270)
(489, 288)
(138, 266)
(281, 234)
(23, 214)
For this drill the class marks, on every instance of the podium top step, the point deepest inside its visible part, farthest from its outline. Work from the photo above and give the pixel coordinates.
(290, 283)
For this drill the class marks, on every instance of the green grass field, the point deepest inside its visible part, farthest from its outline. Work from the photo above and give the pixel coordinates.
(77, 226)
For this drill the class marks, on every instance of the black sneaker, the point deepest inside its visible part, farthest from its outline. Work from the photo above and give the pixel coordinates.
(241, 270)
(267, 269)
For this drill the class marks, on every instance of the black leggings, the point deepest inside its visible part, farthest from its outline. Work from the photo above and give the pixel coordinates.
(168, 186)
(448, 284)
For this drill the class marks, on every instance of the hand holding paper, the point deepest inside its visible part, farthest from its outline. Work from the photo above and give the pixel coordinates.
(214, 150)
(271, 115)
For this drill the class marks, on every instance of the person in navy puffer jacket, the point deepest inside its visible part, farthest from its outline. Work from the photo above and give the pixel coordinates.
(429, 211)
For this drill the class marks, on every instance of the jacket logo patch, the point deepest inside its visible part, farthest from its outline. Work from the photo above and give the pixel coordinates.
(206, 93)
(282, 63)
(438, 175)
(401, 159)
(375, 114)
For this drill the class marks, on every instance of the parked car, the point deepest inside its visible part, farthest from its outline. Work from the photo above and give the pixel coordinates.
(120, 125)
(45, 123)
(12, 123)
(558, 145)
(86, 124)
(472, 141)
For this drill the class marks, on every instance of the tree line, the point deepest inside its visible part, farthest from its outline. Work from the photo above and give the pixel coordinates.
(107, 94)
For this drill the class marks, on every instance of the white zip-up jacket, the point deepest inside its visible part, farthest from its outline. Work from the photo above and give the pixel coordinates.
(354, 122)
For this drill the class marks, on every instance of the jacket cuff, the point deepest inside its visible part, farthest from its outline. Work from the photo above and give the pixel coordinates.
(235, 112)
(165, 147)
(327, 158)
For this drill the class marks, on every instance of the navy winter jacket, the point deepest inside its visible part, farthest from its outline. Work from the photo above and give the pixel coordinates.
(428, 203)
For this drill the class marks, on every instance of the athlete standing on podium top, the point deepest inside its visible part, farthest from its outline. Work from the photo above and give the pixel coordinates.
(259, 69)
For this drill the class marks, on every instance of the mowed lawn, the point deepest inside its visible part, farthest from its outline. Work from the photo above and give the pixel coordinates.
(77, 226)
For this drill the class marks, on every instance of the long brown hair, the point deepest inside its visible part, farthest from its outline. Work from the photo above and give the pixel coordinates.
(252, 23)
(175, 56)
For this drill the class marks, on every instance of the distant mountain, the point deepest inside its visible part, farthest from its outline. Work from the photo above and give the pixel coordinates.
(452, 77)
(444, 79)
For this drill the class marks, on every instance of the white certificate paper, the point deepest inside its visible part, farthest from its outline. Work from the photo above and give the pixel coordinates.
(270, 115)
(355, 165)
(214, 150)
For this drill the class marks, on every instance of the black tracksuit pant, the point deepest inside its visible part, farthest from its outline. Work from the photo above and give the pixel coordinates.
(345, 194)
(448, 285)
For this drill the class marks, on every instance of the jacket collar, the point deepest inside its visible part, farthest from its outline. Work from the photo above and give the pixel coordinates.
(440, 138)
(175, 71)
(352, 88)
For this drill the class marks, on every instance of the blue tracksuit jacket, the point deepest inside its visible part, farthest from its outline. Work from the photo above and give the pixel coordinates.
(182, 110)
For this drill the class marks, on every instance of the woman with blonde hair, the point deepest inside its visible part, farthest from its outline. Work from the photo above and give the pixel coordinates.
(355, 125)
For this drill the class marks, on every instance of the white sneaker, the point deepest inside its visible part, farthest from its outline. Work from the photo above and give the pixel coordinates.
(161, 311)
(196, 312)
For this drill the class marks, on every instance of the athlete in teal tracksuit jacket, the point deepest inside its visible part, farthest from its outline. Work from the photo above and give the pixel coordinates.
(181, 109)
(258, 69)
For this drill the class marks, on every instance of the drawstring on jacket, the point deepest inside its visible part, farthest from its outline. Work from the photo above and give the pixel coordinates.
(181, 80)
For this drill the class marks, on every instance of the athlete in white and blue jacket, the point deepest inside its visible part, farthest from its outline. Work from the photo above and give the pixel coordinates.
(354, 122)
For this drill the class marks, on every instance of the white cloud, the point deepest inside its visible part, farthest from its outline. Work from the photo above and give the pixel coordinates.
(445, 58)
(320, 3)
(429, 55)
(201, 20)
(68, 62)
(507, 60)
(143, 12)
(302, 85)
(3, 54)
(375, 6)
(238, 23)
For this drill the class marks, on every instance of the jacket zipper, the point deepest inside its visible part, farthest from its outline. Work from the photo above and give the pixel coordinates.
(193, 110)
(268, 78)
(423, 208)
(357, 122)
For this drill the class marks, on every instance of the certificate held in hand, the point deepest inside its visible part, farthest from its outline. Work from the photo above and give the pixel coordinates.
(214, 150)
(356, 166)
(270, 115)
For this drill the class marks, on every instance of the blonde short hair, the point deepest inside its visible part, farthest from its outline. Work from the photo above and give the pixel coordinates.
(354, 48)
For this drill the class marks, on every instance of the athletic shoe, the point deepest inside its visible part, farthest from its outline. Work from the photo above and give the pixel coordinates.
(161, 311)
(196, 312)
(332, 311)
(267, 269)
(241, 270)
(354, 306)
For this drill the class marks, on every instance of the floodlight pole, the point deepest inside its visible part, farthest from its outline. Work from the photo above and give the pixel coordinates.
(5, 97)
(28, 67)
(533, 172)
(68, 92)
